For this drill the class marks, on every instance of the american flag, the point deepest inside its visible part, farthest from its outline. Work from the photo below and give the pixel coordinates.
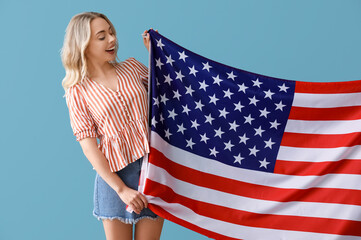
(238, 155)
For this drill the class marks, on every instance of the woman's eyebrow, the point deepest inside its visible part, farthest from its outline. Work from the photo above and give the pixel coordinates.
(102, 31)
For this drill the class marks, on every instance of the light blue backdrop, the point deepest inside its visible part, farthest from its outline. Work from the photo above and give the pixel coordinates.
(46, 182)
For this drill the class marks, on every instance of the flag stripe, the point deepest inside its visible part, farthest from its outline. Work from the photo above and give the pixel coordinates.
(304, 140)
(167, 214)
(326, 100)
(186, 215)
(296, 223)
(323, 127)
(327, 195)
(319, 154)
(254, 177)
(320, 210)
(331, 87)
(322, 114)
(344, 166)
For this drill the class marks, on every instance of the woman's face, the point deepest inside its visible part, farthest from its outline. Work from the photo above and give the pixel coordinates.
(101, 47)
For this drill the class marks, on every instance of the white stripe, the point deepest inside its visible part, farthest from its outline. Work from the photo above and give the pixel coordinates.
(255, 177)
(323, 127)
(319, 154)
(239, 231)
(313, 100)
(305, 209)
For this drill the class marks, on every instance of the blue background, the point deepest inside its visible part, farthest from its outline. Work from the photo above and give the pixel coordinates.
(46, 182)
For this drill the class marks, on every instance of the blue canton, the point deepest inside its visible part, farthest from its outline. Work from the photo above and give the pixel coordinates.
(216, 111)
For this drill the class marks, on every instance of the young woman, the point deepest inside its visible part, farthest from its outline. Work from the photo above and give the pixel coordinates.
(108, 100)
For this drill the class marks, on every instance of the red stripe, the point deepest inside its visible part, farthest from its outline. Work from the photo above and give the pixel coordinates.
(337, 113)
(326, 195)
(329, 87)
(345, 166)
(305, 140)
(163, 213)
(295, 223)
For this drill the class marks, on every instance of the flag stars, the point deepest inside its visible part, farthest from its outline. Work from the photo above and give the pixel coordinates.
(189, 91)
(231, 75)
(159, 63)
(253, 101)
(154, 122)
(167, 134)
(238, 159)
(176, 94)
(234, 126)
(238, 106)
(160, 44)
(283, 88)
(257, 83)
(186, 109)
(195, 124)
(168, 79)
(214, 152)
(243, 139)
(269, 143)
(219, 133)
(199, 105)
(192, 70)
(163, 99)
(259, 131)
(203, 85)
(228, 94)
(253, 151)
(161, 118)
(217, 80)
(264, 113)
(249, 119)
(242, 88)
(223, 113)
(264, 163)
(204, 138)
(182, 56)
(179, 75)
(172, 114)
(209, 119)
(274, 124)
(206, 66)
(190, 143)
(181, 128)
(156, 101)
(169, 60)
(280, 106)
(268, 94)
(228, 146)
(213, 99)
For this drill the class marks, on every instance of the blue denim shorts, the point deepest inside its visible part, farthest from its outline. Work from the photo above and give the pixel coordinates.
(107, 203)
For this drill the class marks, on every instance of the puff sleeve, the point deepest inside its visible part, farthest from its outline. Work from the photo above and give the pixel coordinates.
(142, 70)
(81, 120)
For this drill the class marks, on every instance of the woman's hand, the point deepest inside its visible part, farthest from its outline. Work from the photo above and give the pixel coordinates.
(146, 38)
(133, 199)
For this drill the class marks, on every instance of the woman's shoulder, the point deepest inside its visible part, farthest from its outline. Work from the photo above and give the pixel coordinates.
(75, 91)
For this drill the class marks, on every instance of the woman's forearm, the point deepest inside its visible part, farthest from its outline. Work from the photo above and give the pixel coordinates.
(100, 164)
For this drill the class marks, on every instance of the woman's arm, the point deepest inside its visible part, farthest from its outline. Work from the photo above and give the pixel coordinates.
(132, 198)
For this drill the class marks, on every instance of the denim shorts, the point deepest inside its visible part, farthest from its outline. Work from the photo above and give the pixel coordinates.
(107, 203)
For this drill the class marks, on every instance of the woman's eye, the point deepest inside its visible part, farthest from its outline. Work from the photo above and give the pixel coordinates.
(102, 38)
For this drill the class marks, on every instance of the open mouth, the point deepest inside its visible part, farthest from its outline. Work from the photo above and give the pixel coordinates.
(111, 50)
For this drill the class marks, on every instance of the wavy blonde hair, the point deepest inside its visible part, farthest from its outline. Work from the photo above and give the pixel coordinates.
(76, 40)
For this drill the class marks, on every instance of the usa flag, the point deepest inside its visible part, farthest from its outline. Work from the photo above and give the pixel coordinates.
(238, 155)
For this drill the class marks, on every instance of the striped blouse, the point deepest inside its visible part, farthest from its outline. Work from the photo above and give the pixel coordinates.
(118, 118)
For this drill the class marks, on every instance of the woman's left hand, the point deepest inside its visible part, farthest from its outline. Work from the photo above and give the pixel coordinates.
(146, 38)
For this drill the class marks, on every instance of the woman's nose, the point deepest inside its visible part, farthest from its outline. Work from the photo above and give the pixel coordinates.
(112, 38)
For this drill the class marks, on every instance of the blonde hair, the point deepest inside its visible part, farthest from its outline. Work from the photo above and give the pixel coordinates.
(76, 40)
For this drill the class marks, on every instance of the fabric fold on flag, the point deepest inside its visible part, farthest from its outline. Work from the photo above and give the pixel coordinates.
(239, 155)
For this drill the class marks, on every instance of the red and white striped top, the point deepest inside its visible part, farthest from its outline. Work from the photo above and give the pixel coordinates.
(118, 118)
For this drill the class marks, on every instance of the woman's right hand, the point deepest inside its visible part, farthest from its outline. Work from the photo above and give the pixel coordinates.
(133, 199)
